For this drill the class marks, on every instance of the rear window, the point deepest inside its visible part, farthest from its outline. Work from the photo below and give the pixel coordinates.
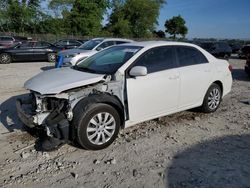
(190, 56)
(6, 38)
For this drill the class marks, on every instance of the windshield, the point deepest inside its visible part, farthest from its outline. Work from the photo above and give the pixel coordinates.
(108, 61)
(89, 45)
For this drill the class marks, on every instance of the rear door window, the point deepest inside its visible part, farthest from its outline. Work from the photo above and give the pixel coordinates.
(74, 43)
(188, 56)
(42, 44)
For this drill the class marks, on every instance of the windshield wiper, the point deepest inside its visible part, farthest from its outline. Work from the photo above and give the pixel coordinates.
(86, 69)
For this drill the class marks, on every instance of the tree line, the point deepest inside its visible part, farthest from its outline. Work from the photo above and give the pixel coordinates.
(125, 18)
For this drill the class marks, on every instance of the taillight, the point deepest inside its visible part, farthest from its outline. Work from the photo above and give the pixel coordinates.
(230, 67)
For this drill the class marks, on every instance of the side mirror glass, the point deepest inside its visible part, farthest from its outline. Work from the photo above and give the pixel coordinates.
(138, 71)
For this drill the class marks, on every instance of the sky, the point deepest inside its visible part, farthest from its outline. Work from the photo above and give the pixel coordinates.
(223, 19)
(210, 18)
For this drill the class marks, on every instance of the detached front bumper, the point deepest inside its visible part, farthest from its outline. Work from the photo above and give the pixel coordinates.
(25, 116)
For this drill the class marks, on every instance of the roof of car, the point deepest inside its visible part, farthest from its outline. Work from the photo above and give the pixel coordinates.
(109, 39)
(159, 43)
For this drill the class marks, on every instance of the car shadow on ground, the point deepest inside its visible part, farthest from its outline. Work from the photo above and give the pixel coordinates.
(222, 162)
(10, 120)
(240, 75)
(8, 115)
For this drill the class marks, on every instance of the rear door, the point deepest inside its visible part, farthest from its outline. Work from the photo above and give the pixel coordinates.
(41, 50)
(195, 76)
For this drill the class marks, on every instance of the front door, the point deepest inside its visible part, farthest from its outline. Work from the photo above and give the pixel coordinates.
(23, 52)
(157, 93)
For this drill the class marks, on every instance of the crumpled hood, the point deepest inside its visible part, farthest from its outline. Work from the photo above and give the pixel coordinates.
(73, 51)
(57, 80)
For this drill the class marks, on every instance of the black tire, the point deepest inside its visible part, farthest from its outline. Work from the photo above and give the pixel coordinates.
(52, 57)
(207, 106)
(5, 58)
(84, 114)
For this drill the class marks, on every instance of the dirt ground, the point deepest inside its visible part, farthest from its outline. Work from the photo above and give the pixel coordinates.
(187, 149)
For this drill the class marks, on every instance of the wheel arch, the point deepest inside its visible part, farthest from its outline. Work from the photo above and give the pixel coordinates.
(220, 84)
(105, 98)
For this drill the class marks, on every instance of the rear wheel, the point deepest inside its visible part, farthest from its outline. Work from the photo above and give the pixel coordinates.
(212, 99)
(5, 58)
(97, 125)
(51, 57)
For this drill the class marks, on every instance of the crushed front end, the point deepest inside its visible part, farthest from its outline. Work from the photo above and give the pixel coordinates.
(45, 112)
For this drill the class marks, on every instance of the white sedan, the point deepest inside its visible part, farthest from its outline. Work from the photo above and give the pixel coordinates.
(122, 86)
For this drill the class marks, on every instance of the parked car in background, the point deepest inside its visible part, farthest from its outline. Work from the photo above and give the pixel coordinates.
(247, 66)
(218, 49)
(121, 86)
(29, 51)
(235, 48)
(244, 51)
(8, 41)
(73, 56)
(69, 43)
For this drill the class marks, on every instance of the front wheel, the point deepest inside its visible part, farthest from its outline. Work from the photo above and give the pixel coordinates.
(212, 99)
(51, 57)
(5, 58)
(97, 126)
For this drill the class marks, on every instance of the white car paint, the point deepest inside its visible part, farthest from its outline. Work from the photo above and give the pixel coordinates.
(157, 94)
(55, 81)
(151, 96)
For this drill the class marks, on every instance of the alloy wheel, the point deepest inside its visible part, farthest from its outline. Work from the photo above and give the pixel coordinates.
(101, 128)
(5, 58)
(214, 98)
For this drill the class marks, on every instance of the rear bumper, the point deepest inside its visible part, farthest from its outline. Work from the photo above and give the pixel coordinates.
(24, 116)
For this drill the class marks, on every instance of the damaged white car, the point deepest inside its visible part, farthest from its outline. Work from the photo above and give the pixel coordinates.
(122, 86)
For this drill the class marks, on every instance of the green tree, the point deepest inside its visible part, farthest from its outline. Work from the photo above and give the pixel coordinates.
(86, 16)
(19, 16)
(134, 18)
(176, 26)
(159, 34)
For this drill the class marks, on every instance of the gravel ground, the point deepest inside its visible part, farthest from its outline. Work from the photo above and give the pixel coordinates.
(187, 149)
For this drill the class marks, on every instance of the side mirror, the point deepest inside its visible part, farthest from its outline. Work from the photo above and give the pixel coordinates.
(138, 71)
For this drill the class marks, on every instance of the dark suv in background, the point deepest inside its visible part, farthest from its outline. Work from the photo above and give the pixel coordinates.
(244, 51)
(218, 49)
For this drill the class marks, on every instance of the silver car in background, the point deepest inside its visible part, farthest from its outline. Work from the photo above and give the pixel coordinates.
(72, 56)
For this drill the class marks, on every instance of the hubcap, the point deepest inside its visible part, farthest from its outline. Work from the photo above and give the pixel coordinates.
(101, 128)
(214, 99)
(5, 58)
(52, 57)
